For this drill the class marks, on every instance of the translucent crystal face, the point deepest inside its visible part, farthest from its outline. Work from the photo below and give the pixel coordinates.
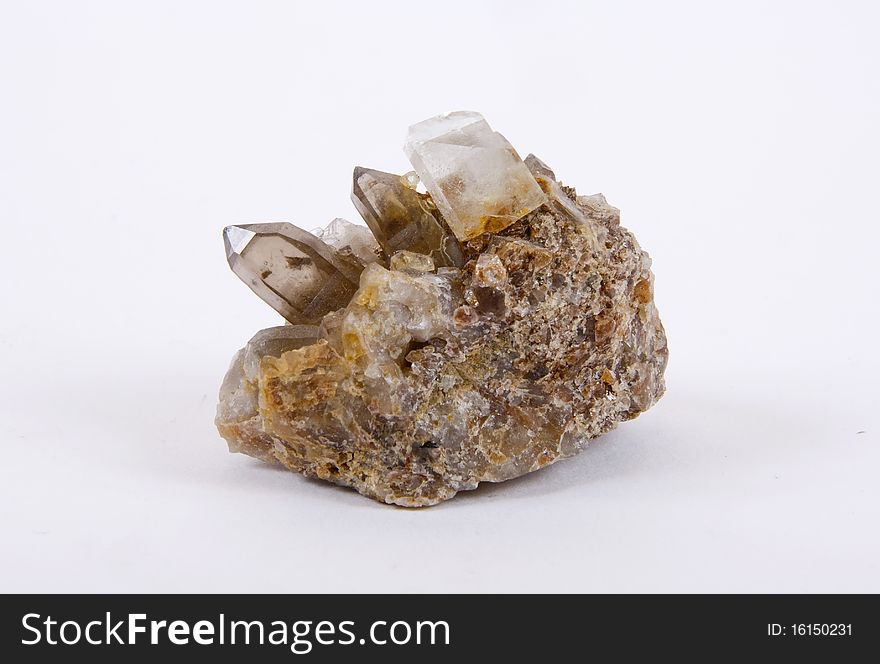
(546, 179)
(238, 401)
(300, 276)
(274, 342)
(350, 240)
(474, 176)
(476, 183)
(400, 217)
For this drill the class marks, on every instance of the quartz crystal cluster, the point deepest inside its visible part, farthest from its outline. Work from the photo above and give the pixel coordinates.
(483, 329)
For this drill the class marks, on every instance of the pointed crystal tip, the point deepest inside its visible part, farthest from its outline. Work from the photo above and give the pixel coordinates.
(557, 198)
(235, 239)
(400, 217)
(297, 274)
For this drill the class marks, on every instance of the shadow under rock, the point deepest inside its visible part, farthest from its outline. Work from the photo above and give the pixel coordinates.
(615, 454)
(316, 487)
(702, 432)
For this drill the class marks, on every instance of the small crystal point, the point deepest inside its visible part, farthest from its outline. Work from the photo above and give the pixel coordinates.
(296, 273)
(404, 261)
(473, 174)
(546, 179)
(401, 218)
(350, 240)
(235, 239)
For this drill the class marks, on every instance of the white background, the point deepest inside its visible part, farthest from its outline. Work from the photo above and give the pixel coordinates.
(741, 143)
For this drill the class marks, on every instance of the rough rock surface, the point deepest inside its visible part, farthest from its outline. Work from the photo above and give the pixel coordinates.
(434, 379)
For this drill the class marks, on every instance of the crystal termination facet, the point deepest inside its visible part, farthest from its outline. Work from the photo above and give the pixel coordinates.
(475, 177)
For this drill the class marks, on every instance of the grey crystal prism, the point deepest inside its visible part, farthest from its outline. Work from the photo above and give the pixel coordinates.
(401, 218)
(296, 273)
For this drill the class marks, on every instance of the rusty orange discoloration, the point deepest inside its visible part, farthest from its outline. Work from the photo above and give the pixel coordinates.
(642, 291)
(367, 297)
(604, 328)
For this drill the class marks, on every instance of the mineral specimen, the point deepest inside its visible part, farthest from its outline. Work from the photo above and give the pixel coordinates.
(412, 374)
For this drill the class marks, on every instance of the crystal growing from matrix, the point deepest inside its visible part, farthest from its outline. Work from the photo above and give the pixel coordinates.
(297, 274)
(350, 240)
(472, 173)
(557, 198)
(485, 329)
(401, 218)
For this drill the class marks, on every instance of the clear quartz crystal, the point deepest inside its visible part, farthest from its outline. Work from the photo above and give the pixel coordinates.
(296, 273)
(411, 178)
(474, 176)
(350, 239)
(401, 218)
(408, 260)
